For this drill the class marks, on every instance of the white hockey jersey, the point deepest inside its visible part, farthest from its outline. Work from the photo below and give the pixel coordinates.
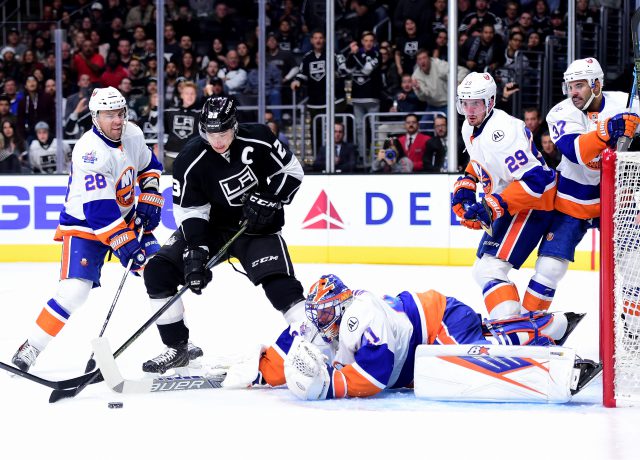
(505, 161)
(100, 196)
(578, 192)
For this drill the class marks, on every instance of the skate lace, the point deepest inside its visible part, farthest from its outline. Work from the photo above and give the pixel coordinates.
(29, 353)
(165, 357)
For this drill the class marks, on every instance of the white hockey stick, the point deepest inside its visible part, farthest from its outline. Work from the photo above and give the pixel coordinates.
(115, 381)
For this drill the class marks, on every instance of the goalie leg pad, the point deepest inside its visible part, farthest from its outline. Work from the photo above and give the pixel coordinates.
(496, 373)
(305, 369)
(527, 329)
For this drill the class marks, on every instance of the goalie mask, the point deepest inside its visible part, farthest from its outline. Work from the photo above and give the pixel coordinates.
(326, 302)
(584, 69)
(107, 99)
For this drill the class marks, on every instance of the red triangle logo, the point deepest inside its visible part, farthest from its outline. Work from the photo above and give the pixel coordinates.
(323, 215)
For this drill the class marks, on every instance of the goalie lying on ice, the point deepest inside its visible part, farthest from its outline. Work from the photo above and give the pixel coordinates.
(356, 344)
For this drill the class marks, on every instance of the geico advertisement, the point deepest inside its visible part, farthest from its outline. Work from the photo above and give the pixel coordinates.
(367, 210)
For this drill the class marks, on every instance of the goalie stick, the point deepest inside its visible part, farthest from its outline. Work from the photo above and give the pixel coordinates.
(624, 142)
(57, 395)
(113, 376)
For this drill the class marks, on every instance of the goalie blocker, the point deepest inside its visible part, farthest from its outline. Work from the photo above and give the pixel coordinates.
(499, 373)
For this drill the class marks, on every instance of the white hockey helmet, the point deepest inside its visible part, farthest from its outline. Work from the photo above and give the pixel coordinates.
(583, 69)
(477, 86)
(107, 99)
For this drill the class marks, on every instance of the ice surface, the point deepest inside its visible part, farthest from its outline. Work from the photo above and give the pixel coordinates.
(230, 319)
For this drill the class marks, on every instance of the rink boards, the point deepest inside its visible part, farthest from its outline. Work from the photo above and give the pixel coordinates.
(391, 219)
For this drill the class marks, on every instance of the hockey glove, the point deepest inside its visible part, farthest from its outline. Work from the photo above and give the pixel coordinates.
(472, 224)
(126, 247)
(196, 275)
(612, 129)
(260, 210)
(492, 207)
(148, 210)
(464, 191)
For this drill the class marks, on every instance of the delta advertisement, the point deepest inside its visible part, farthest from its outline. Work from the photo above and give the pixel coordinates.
(390, 219)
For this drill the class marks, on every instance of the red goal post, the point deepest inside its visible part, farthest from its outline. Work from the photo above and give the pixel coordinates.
(620, 278)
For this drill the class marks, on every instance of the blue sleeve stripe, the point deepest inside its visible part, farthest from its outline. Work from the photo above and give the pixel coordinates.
(154, 164)
(538, 179)
(377, 361)
(576, 189)
(566, 145)
(101, 213)
(55, 306)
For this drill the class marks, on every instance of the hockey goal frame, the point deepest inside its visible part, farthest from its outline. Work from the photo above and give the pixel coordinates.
(610, 293)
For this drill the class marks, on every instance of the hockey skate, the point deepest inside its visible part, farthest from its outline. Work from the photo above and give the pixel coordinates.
(25, 356)
(173, 357)
(572, 321)
(588, 370)
(195, 351)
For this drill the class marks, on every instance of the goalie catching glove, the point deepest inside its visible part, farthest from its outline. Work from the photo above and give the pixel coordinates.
(196, 274)
(492, 208)
(260, 210)
(306, 370)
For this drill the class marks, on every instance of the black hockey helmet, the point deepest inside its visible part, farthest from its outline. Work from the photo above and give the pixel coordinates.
(218, 114)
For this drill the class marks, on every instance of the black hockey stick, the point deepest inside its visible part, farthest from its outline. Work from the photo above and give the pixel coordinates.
(54, 384)
(57, 395)
(624, 142)
(91, 364)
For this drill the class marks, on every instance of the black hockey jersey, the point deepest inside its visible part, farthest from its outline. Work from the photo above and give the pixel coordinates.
(313, 73)
(364, 68)
(181, 125)
(209, 188)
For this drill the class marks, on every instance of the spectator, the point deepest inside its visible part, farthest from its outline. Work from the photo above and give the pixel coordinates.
(223, 24)
(439, 17)
(151, 67)
(116, 33)
(558, 25)
(473, 22)
(365, 19)
(584, 15)
(49, 65)
(540, 20)
(283, 60)
(345, 153)
(435, 158)
(138, 78)
(185, 23)
(525, 22)
(271, 87)
(180, 124)
(29, 64)
(483, 51)
(187, 67)
(5, 110)
(441, 46)
(102, 48)
(210, 72)
(171, 45)
(504, 101)
(43, 151)
(245, 56)
(124, 52)
(148, 121)
(114, 10)
(414, 142)
(275, 129)
(139, 50)
(13, 152)
(141, 104)
(233, 77)
(389, 76)
(11, 91)
(407, 46)
(287, 40)
(214, 88)
(550, 152)
(88, 62)
(114, 72)
(35, 106)
(430, 81)
(186, 44)
(141, 14)
(418, 10)
(217, 52)
(406, 100)
(14, 40)
(510, 18)
(10, 65)
(170, 84)
(312, 74)
(391, 158)
(202, 8)
(533, 121)
(77, 116)
(363, 65)
(97, 13)
(515, 63)
(534, 43)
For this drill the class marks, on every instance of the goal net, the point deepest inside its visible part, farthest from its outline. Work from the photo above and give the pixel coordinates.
(620, 278)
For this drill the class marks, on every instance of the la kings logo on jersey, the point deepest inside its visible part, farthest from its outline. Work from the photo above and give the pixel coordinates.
(317, 70)
(183, 126)
(236, 186)
(411, 48)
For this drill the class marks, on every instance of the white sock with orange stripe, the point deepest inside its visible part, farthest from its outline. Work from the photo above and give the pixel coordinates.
(500, 295)
(543, 284)
(71, 294)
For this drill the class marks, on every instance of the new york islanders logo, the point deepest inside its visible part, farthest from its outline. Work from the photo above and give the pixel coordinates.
(125, 191)
(484, 176)
(323, 215)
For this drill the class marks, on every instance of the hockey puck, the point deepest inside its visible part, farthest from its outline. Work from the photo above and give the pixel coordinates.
(115, 405)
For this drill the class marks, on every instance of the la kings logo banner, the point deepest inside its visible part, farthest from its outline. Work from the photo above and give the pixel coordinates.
(236, 186)
(183, 126)
(317, 70)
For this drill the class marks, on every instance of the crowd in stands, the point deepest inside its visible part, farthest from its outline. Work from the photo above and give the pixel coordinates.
(210, 48)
